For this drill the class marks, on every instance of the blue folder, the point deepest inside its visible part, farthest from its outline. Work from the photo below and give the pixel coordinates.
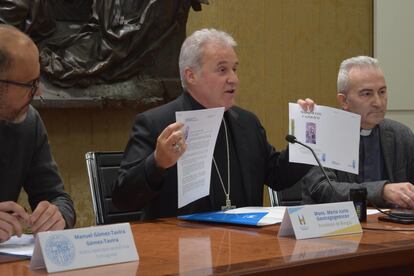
(222, 217)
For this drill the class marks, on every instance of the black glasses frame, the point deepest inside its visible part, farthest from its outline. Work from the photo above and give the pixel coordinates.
(33, 85)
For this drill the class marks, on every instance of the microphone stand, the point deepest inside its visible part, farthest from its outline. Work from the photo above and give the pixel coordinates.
(292, 139)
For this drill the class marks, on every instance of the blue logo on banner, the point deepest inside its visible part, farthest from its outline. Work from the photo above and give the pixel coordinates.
(60, 250)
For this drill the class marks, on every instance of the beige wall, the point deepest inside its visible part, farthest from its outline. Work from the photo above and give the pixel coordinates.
(287, 49)
(393, 22)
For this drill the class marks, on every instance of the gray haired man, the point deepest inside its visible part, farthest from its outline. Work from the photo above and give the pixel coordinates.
(244, 160)
(386, 162)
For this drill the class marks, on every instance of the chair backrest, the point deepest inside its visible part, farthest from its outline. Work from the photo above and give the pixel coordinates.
(103, 171)
(288, 197)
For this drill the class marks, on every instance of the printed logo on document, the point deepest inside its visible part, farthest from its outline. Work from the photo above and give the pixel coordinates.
(60, 250)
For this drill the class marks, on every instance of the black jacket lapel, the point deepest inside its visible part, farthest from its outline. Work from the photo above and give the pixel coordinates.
(241, 143)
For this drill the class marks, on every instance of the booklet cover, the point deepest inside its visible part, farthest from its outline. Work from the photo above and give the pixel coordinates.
(254, 216)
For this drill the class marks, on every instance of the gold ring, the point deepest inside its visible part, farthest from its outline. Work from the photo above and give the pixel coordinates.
(176, 147)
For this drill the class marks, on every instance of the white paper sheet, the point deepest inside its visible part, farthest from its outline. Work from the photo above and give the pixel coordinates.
(375, 211)
(18, 246)
(332, 133)
(274, 214)
(201, 128)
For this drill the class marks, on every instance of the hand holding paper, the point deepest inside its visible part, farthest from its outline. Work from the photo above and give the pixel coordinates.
(46, 217)
(307, 104)
(170, 146)
(11, 216)
(332, 133)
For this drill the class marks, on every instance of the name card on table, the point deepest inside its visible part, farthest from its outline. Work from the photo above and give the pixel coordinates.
(320, 220)
(84, 247)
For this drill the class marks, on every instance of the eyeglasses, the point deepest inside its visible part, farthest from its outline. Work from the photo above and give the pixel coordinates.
(33, 85)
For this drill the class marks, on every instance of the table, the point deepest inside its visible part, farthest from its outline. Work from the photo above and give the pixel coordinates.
(172, 246)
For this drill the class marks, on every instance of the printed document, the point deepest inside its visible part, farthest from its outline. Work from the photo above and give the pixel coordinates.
(23, 245)
(200, 129)
(332, 133)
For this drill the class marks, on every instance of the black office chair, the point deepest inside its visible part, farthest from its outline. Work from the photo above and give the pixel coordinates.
(291, 196)
(103, 170)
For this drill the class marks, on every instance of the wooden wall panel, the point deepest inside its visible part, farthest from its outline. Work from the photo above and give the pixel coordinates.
(287, 49)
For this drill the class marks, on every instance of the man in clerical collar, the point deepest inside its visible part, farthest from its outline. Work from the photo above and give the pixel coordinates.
(243, 159)
(386, 162)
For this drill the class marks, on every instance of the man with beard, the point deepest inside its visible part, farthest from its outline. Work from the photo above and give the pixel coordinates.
(25, 157)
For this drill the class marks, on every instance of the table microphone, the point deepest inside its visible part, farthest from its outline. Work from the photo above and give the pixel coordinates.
(292, 139)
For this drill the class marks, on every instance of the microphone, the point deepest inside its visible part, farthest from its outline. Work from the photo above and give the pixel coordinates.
(292, 139)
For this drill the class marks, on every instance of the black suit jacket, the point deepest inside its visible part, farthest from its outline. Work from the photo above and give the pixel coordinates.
(141, 184)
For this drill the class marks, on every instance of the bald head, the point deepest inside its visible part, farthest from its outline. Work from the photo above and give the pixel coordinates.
(19, 68)
(14, 45)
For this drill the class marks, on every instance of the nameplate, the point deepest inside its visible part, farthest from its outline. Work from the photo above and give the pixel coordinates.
(320, 220)
(84, 247)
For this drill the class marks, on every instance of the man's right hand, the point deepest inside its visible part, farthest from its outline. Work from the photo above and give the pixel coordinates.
(401, 194)
(170, 146)
(11, 214)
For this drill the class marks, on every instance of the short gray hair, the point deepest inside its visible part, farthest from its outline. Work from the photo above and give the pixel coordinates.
(348, 64)
(191, 53)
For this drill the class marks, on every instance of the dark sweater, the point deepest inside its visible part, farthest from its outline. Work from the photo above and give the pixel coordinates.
(26, 161)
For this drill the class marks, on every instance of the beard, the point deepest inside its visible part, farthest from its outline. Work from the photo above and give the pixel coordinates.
(20, 117)
(14, 117)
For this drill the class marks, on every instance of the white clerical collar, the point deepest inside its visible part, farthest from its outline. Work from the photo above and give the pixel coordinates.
(365, 132)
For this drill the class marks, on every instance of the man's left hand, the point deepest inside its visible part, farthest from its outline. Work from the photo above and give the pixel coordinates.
(307, 104)
(46, 217)
(401, 194)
